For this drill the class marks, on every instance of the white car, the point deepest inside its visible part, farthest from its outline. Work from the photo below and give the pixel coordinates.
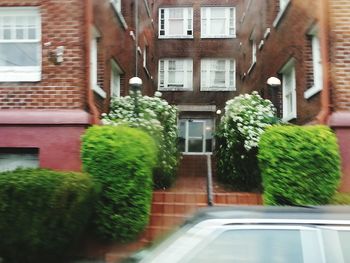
(257, 235)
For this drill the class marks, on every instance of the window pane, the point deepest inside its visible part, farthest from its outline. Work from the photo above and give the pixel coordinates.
(217, 26)
(195, 129)
(195, 145)
(182, 135)
(19, 54)
(253, 246)
(176, 27)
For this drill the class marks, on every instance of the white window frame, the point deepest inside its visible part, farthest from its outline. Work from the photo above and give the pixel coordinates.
(22, 73)
(163, 75)
(163, 22)
(115, 79)
(288, 71)
(94, 63)
(253, 47)
(117, 7)
(283, 5)
(230, 22)
(207, 68)
(316, 65)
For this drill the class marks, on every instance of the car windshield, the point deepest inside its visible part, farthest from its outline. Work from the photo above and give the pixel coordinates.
(255, 244)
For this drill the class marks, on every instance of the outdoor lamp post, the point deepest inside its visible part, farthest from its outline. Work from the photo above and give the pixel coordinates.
(273, 83)
(135, 84)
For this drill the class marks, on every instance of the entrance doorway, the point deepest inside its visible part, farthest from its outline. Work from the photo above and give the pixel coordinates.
(196, 135)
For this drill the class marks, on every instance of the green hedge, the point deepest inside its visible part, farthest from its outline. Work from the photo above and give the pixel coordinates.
(299, 165)
(121, 159)
(42, 213)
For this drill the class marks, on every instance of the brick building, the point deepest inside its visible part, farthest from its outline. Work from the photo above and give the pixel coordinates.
(60, 62)
(197, 56)
(306, 45)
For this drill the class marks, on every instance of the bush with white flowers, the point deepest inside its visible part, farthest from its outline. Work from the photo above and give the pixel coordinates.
(159, 119)
(245, 119)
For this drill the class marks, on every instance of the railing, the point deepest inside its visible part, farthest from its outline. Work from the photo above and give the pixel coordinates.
(209, 181)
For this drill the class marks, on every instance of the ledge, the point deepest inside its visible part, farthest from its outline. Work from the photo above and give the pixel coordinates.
(339, 119)
(44, 117)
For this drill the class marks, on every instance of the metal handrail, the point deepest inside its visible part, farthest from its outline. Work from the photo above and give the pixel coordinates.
(209, 182)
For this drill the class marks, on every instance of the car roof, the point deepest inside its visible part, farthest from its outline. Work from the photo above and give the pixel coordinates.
(276, 213)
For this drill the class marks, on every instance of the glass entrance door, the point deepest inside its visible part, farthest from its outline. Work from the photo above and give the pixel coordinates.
(196, 135)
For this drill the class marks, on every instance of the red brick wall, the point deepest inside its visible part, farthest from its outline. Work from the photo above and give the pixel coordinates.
(116, 43)
(62, 86)
(339, 12)
(289, 39)
(196, 49)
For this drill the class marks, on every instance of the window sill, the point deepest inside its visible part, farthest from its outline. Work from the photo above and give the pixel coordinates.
(312, 91)
(120, 16)
(175, 89)
(175, 37)
(196, 153)
(280, 15)
(215, 89)
(252, 66)
(10, 75)
(225, 36)
(289, 118)
(99, 91)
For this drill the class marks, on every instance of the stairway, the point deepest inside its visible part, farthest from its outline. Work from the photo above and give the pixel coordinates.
(172, 206)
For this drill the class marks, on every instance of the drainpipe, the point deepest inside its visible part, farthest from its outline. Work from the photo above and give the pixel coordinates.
(323, 115)
(136, 36)
(89, 92)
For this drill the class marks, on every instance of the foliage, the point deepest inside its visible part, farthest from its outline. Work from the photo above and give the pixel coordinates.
(159, 119)
(42, 213)
(341, 199)
(299, 165)
(246, 117)
(121, 159)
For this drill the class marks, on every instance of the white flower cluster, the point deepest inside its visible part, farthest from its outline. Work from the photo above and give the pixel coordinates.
(151, 114)
(248, 115)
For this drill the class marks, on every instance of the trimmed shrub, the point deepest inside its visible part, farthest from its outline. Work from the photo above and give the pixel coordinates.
(157, 118)
(246, 117)
(42, 213)
(299, 165)
(121, 159)
(341, 199)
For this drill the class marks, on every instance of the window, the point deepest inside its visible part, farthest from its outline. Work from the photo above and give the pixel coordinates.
(316, 65)
(20, 44)
(94, 64)
(218, 22)
(175, 74)
(13, 158)
(115, 79)
(283, 4)
(117, 6)
(196, 135)
(175, 23)
(217, 75)
(289, 91)
(253, 47)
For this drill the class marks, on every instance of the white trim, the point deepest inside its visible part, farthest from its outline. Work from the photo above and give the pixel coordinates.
(281, 13)
(267, 33)
(261, 44)
(317, 67)
(99, 91)
(23, 73)
(163, 75)
(115, 70)
(230, 22)
(288, 71)
(164, 27)
(117, 10)
(206, 81)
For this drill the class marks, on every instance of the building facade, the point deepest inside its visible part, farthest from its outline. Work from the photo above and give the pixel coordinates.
(60, 62)
(197, 59)
(305, 44)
